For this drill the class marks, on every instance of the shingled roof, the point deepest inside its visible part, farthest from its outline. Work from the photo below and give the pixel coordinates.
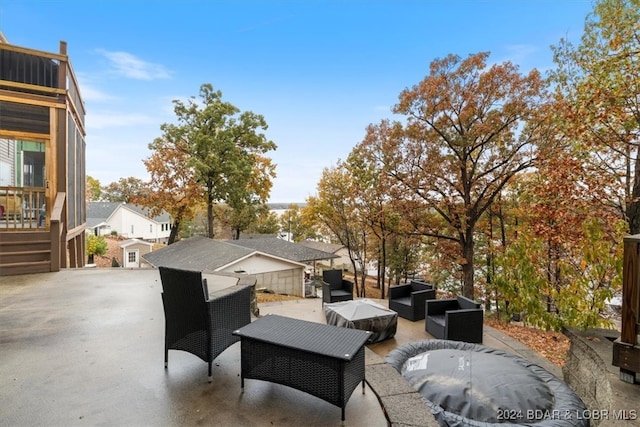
(322, 246)
(283, 249)
(208, 255)
(197, 253)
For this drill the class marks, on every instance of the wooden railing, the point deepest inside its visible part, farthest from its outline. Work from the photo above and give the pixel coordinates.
(23, 209)
(56, 232)
(23, 69)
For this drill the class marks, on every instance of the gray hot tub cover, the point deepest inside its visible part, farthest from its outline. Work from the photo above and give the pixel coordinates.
(472, 385)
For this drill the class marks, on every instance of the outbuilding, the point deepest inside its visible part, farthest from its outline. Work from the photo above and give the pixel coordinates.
(132, 252)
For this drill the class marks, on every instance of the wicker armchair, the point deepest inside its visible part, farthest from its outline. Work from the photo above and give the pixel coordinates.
(335, 288)
(459, 319)
(198, 324)
(408, 300)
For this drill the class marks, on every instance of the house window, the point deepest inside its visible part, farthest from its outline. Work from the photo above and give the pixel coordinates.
(132, 256)
(131, 229)
(150, 228)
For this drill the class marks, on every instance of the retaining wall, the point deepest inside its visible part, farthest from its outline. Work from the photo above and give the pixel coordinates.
(588, 370)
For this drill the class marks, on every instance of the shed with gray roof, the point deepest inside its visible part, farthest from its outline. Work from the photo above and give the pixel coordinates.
(278, 267)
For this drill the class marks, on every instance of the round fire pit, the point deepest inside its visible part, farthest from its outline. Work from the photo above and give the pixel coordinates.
(472, 385)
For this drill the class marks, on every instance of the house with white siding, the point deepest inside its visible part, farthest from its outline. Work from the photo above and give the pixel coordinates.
(128, 221)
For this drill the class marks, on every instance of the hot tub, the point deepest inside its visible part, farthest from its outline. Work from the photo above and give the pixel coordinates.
(472, 385)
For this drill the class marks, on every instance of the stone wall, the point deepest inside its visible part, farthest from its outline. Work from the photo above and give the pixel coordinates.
(589, 372)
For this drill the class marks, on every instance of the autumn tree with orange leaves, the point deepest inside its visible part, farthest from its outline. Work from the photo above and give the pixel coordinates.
(469, 130)
(566, 261)
(391, 245)
(172, 186)
(598, 91)
(337, 214)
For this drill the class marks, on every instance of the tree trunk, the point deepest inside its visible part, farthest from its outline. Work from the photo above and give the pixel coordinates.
(364, 283)
(633, 207)
(355, 275)
(383, 267)
(467, 267)
(490, 261)
(210, 210)
(174, 232)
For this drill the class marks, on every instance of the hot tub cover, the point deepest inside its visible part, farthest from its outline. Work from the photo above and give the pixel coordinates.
(471, 385)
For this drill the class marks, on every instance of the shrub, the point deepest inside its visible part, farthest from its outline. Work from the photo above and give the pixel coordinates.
(96, 245)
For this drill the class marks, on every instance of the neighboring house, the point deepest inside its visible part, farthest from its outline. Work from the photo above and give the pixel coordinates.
(42, 162)
(277, 265)
(132, 252)
(129, 221)
(341, 258)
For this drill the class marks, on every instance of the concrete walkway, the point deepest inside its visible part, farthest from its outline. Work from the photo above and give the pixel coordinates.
(85, 347)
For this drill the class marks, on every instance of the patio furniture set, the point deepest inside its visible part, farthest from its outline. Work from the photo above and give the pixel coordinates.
(325, 361)
(456, 319)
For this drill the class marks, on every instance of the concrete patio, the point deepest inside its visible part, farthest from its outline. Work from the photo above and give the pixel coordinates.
(85, 347)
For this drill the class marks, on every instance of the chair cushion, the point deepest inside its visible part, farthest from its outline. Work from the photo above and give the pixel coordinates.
(339, 293)
(440, 319)
(404, 301)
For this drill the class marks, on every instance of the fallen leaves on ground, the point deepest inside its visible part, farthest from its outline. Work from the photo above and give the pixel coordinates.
(552, 345)
(263, 297)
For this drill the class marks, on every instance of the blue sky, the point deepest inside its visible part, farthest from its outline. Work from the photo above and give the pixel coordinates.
(319, 71)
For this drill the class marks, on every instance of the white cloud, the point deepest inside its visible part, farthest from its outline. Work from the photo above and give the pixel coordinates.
(130, 66)
(93, 94)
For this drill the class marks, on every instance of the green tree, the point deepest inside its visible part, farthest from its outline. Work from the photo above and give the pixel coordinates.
(125, 190)
(293, 223)
(95, 245)
(226, 151)
(592, 275)
(94, 190)
(522, 281)
(266, 222)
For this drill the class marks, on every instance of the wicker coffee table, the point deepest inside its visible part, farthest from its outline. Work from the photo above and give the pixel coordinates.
(322, 360)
